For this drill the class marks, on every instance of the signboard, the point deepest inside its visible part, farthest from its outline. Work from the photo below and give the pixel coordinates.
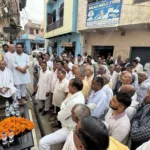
(104, 13)
(67, 44)
(31, 37)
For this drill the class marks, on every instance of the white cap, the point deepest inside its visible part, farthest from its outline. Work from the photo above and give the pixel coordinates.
(138, 58)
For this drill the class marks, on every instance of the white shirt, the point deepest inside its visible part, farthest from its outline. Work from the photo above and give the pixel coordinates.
(8, 57)
(50, 65)
(21, 61)
(138, 68)
(69, 75)
(142, 89)
(69, 144)
(119, 126)
(147, 67)
(115, 78)
(59, 93)
(53, 81)
(43, 85)
(144, 146)
(70, 64)
(132, 109)
(108, 91)
(78, 63)
(7, 81)
(64, 116)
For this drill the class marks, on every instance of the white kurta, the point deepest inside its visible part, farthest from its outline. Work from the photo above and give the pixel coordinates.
(8, 57)
(59, 93)
(69, 144)
(108, 91)
(21, 61)
(53, 82)
(6, 81)
(43, 86)
(50, 65)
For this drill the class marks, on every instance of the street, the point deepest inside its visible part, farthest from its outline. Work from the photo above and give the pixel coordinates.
(44, 119)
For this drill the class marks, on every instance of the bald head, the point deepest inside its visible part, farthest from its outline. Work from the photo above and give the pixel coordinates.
(11, 48)
(126, 77)
(129, 89)
(79, 111)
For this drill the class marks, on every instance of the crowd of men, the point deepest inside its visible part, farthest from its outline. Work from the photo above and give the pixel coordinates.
(97, 105)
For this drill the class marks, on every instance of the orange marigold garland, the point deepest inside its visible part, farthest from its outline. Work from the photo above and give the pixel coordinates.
(17, 125)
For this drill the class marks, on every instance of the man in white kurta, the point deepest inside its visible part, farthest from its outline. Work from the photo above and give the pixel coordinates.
(8, 57)
(43, 89)
(7, 89)
(64, 116)
(61, 88)
(21, 74)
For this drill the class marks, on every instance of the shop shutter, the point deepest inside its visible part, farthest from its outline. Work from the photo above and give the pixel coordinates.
(142, 52)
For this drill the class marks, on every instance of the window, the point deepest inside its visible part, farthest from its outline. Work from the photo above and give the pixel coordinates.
(61, 11)
(37, 31)
(49, 18)
(31, 31)
(54, 16)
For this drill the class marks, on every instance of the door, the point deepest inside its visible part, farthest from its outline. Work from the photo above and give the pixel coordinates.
(142, 52)
(102, 51)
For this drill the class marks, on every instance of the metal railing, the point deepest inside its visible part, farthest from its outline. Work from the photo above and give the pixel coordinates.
(55, 25)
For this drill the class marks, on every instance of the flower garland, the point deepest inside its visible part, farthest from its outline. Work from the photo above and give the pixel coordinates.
(17, 125)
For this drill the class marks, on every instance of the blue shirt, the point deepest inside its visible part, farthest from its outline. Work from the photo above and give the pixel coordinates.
(100, 99)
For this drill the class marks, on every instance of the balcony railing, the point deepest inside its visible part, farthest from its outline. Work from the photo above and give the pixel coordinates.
(55, 25)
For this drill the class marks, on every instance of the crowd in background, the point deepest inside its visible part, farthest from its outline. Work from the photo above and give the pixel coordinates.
(101, 104)
(115, 91)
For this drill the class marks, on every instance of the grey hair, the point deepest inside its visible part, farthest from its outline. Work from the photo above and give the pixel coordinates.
(102, 67)
(107, 77)
(144, 73)
(81, 111)
(82, 72)
(90, 68)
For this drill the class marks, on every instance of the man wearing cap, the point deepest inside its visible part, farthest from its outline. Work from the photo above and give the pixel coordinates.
(140, 66)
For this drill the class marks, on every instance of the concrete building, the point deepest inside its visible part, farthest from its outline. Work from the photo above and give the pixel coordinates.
(33, 37)
(61, 26)
(34, 28)
(103, 32)
(10, 20)
(30, 42)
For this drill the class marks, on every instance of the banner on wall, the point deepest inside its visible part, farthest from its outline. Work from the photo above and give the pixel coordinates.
(104, 13)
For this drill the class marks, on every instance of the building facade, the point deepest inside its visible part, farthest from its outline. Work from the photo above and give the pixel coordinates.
(30, 42)
(32, 38)
(61, 26)
(119, 27)
(34, 28)
(10, 20)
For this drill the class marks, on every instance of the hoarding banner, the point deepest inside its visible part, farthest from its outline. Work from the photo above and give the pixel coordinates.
(105, 13)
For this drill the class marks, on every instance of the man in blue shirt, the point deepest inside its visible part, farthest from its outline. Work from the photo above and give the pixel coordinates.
(98, 97)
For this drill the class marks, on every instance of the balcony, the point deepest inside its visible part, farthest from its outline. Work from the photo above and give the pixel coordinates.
(55, 25)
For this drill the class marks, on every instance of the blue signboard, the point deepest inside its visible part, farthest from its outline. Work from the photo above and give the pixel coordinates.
(104, 13)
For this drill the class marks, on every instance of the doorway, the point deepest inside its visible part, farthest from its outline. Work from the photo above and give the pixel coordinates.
(100, 51)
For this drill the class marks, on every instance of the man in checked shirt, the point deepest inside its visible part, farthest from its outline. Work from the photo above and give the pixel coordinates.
(140, 125)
